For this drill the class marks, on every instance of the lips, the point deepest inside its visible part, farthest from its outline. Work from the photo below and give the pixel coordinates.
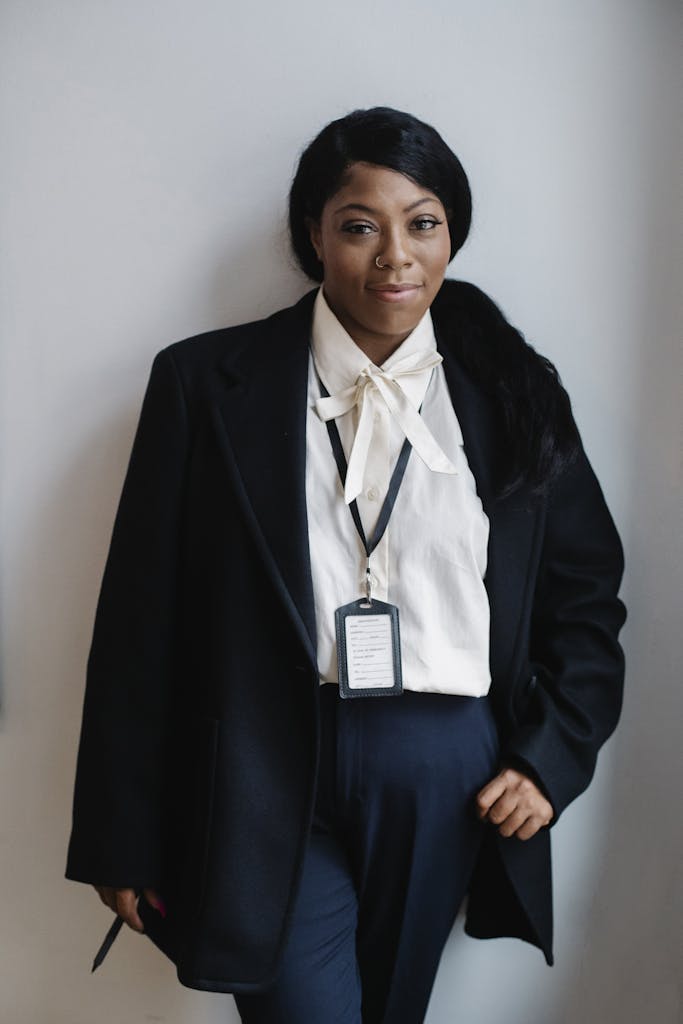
(384, 287)
(393, 292)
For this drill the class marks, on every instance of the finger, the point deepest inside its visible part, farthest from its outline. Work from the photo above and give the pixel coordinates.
(545, 811)
(529, 828)
(126, 907)
(489, 794)
(108, 896)
(530, 796)
(534, 801)
(153, 897)
(514, 822)
(504, 807)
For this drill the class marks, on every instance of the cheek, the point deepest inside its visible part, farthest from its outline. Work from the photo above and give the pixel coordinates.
(442, 253)
(346, 269)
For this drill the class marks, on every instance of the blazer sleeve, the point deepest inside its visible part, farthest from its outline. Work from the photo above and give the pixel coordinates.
(117, 827)
(577, 660)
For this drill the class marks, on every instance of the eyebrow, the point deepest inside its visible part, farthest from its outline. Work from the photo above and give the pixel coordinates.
(369, 209)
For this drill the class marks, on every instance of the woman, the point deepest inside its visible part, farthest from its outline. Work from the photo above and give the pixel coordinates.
(335, 684)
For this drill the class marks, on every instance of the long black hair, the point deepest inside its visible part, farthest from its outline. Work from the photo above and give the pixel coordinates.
(539, 437)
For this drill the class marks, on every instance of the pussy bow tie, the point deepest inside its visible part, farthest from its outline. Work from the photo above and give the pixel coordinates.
(375, 386)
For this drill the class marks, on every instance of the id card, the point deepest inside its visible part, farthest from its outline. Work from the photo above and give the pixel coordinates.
(368, 649)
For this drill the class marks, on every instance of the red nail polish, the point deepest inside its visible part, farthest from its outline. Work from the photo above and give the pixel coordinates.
(161, 907)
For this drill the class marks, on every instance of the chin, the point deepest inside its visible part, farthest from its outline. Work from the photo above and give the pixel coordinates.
(397, 322)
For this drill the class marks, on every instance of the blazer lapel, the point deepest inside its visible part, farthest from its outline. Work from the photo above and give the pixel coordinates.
(260, 416)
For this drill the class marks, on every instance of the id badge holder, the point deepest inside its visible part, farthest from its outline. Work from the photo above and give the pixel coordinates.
(368, 649)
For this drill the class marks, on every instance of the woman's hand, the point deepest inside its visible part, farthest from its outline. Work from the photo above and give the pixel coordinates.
(124, 902)
(515, 803)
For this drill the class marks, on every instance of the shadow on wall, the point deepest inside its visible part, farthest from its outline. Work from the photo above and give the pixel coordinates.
(633, 951)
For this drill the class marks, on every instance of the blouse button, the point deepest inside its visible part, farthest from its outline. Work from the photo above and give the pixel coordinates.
(372, 494)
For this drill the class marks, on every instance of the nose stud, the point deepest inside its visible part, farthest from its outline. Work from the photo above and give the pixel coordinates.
(383, 266)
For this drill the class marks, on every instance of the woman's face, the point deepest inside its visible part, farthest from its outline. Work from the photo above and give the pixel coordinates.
(381, 213)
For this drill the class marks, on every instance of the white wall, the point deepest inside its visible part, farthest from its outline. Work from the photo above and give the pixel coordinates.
(147, 152)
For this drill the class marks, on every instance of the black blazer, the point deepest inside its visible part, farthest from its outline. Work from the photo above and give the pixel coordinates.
(199, 741)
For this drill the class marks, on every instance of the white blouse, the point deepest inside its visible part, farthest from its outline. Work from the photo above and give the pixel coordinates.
(431, 560)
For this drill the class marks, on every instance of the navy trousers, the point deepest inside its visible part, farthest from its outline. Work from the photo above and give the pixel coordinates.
(392, 848)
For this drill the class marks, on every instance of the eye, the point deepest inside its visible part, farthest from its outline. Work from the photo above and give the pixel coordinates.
(357, 228)
(425, 223)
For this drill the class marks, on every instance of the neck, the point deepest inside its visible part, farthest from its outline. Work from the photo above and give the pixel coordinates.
(379, 350)
(377, 347)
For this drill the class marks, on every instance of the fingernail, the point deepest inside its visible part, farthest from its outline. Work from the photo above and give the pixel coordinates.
(161, 907)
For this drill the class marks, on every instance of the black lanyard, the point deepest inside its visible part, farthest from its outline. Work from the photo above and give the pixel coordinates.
(394, 483)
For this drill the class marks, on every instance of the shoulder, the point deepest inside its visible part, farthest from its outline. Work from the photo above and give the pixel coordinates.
(209, 349)
(458, 299)
(538, 434)
(196, 366)
(474, 328)
(469, 321)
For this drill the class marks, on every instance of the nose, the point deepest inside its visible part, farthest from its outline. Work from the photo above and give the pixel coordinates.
(395, 250)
